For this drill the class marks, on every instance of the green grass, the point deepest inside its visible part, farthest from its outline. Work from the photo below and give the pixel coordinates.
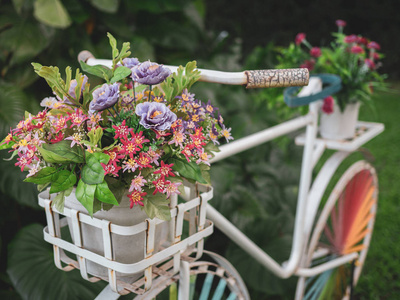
(380, 276)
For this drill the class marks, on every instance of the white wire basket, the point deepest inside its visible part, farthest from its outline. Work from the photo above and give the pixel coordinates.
(187, 229)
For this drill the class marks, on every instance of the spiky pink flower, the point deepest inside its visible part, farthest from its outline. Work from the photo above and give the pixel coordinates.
(136, 198)
(137, 183)
(370, 64)
(165, 170)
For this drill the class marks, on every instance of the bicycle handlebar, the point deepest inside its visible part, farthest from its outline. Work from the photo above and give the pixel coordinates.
(251, 79)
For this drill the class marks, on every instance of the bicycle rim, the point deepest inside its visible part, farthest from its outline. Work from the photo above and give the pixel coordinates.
(345, 226)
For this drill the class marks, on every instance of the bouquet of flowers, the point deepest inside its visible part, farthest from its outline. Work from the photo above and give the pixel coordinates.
(141, 132)
(352, 57)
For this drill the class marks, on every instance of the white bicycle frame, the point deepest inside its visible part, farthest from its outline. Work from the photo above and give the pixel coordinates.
(310, 194)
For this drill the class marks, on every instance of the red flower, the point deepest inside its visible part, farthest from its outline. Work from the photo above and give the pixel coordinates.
(327, 107)
(362, 41)
(300, 37)
(351, 39)
(315, 52)
(144, 161)
(122, 131)
(57, 138)
(370, 64)
(165, 170)
(159, 185)
(341, 23)
(136, 198)
(374, 45)
(309, 64)
(356, 49)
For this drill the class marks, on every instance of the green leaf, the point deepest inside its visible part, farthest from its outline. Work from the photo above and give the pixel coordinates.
(95, 136)
(59, 200)
(116, 187)
(156, 206)
(113, 43)
(121, 73)
(62, 180)
(25, 39)
(52, 13)
(97, 70)
(205, 172)
(187, 170)
(43, 176)
(85, 195)
(104, 194)
(31, 268)
(108, 6)
(61, 152)
(92, 171)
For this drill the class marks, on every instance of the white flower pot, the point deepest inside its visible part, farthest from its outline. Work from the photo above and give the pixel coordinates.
(126, 249)
(339, 125)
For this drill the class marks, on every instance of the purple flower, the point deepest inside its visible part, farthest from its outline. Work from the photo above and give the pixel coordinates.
(74, 83)
(104, 97)
(150, 73)
(155, 115)
(130, 62)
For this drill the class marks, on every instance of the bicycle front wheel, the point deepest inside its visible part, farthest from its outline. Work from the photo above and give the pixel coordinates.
(345, 226)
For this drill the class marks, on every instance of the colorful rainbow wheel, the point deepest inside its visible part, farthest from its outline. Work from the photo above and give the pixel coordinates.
(345, 226)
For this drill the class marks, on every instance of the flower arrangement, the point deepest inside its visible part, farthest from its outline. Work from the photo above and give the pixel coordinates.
(352, 57)
(142, 131)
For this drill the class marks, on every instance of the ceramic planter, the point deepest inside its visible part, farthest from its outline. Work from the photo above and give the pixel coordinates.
(339, 125)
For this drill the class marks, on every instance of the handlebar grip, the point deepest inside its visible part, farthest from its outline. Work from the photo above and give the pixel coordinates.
(85, 55)
(277, 78)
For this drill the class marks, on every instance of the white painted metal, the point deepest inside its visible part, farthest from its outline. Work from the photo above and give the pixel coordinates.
(184, 281)
(234, 78)
(341, 260)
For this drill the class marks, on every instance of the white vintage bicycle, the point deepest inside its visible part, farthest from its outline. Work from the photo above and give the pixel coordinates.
(329, 244)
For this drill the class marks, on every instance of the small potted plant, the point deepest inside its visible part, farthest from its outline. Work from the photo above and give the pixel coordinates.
(356, 59)
(120, 150)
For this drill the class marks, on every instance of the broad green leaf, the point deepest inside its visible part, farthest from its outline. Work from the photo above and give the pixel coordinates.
(92, 171)
(187, 170)
(116, 187)
(156, 206)
(25, 39)
(31, 269)
(62, 180)
(121, 73)
(98, 70)
(59, 200)
(4, 145)
(51, 13)
(205, 172)
(104, 194)
(85, 194)
(61, 152)
(43, 176)
(108, 6)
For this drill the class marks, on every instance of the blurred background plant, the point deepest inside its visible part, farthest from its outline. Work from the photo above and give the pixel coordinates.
(256, 189)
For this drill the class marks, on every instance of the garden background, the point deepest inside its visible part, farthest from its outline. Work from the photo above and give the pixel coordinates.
(256, 189)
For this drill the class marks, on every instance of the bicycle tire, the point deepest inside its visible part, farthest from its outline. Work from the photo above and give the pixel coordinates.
(344, 226)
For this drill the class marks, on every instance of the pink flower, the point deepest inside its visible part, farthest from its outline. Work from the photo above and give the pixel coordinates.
(374, 45)
(375, 56)
(315, 52)
(136, 198)
(300, 37)
(340, 23)
(370, 64)
(171, 188)
(165, 170)
(327, 107)
(309, 64)
(363, 41)
(351, 39)
(356, 49)
(137, 183)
